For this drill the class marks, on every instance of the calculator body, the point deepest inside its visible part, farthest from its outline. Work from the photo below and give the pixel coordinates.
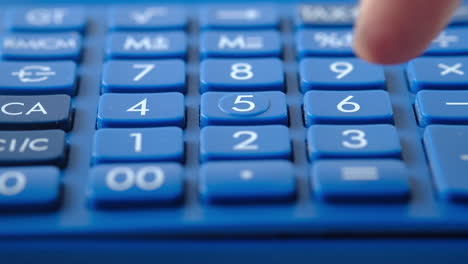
(424, 227)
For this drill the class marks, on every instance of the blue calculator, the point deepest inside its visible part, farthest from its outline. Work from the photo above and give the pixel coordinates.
(222, 132)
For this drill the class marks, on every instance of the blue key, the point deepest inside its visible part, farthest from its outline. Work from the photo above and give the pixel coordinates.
(447, 151)
(242, 75)
(325, 42)
(247, 182)
(355, 107)
(442, 107)
(358, 141)
(234, 44)
(245, 142)
(239, 17)
(51, 46)
(46, 19)
(257, 108)
(461, 16)
(141, 110)
(149, 17)
(141, 184)
(443, 73)
(326, 15)
(32, 147)
(365, 181)
(37, 78)
(340, 74)
(33, 112)
(138, 145)
(139, 45)
(144, 76)
(29, 188)
(452, 41)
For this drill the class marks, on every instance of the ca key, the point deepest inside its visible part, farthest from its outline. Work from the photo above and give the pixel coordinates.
(33, 112)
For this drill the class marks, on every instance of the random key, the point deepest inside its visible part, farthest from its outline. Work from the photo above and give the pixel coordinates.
(438, 73)
(442, 107)
(447, 152)
(325, 42)
(247, 182)
(361, 181)
(28, 78)
(50, 46)
(35, 112)
(140, 76)
(353, 141)
(141, 110)
(257, 108)
(347, 107)
(245, 142)
(340, 74)
(147, 18)
(147, 45)
(46, 19)
(242, 75)
(139, 184)
(29, 188)
(32, 147)
(138, 145)
(232, 44)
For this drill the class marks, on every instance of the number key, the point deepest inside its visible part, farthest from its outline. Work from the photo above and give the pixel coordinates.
(144, 76)
(243, 108)
(141, 110)
(356, 107)
(242, 75)
(340, 74)
(249, 142)
(362, 141)
(144, 144)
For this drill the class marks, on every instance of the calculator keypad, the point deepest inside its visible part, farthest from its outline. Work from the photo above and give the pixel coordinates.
(225, 117)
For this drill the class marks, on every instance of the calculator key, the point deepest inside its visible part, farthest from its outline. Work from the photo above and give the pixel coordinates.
(245, 142)
(138, 145)
(452, 41)
(141, 184)
(438, 73)
(265, 43)
(442, 107)
(340, 74)
(50, 46)
(353, 141)
(364, 181)
(46, 19)
(37, 78)
(461, 16)
(326, 15)
(35, 112)
(447, 150)
(353, 107)
(29, 188)
(135, 76)
(242, 75)
(239, 17)
(325, 42)
(32, 147)
(139, 45)
(141, 110)
(149, 17)
(247, 182)
(258, 108)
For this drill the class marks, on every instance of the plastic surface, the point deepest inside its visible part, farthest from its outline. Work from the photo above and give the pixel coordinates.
(425, 214)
